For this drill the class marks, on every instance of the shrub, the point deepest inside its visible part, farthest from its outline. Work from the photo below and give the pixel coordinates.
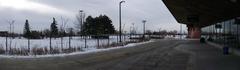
(55, 51)
(2, 51)
(38, 51)
(23, 51)
(202, 40)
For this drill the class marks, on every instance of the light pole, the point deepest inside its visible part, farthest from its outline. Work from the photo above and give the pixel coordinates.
(120, 21)
(81, 21)
(144, 22)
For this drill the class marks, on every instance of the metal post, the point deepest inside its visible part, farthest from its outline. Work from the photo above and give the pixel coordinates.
(69, 42)
(10, 45)
(130, 32)
(50, 43)
(181, 31)
(108, 41)
(85, 38)
(29, 46)
(224, 34)
(237, 35)
(98, 46)
(6, 43)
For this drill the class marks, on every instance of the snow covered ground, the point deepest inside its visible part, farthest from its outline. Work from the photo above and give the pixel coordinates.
(76, 42)
(56, 43)
(90, 50)
(176, 37)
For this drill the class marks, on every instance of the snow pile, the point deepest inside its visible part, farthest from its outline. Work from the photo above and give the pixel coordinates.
(176, 37)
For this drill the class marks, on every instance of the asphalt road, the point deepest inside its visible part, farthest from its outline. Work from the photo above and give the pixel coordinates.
(158, 55)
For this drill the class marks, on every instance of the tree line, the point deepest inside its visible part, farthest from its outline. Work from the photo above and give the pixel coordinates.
(100, 25)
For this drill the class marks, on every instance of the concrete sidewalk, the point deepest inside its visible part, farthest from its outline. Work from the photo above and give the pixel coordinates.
(208, 57)
(231, 50)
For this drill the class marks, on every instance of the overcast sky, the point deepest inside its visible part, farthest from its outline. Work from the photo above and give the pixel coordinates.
(40, 13)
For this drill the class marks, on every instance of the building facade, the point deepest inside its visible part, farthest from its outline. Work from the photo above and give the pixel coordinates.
(226, 33)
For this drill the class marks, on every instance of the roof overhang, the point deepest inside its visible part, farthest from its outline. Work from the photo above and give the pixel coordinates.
(207, 11)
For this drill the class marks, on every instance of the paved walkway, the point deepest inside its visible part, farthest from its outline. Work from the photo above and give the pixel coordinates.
(206, 57)
(159, 55)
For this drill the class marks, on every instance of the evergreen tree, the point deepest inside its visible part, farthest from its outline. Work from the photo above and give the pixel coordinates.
(87, 26)
(109, 28)
(26, 31)
(54, 28)
(98, 26)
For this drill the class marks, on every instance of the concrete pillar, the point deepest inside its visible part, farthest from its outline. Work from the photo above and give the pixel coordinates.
(194, 31)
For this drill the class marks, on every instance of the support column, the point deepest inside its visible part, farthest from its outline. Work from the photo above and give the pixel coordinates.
(194, 31)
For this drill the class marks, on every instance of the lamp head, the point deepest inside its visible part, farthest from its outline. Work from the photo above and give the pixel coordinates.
(81, 11)
(122, 2)
(144, 21)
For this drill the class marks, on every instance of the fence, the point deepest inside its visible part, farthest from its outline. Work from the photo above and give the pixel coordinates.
(19, 46)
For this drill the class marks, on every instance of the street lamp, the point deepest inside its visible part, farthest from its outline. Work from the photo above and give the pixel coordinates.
(120, 21)
(144, 22)
(81, 20)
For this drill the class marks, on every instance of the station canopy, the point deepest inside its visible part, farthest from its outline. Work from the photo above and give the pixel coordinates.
(203, 12)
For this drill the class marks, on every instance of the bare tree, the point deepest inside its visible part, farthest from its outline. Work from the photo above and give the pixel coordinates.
(132, 30)
(62, 29)
(11, 30)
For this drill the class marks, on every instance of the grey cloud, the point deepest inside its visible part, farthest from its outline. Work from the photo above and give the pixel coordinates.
(134, 11)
